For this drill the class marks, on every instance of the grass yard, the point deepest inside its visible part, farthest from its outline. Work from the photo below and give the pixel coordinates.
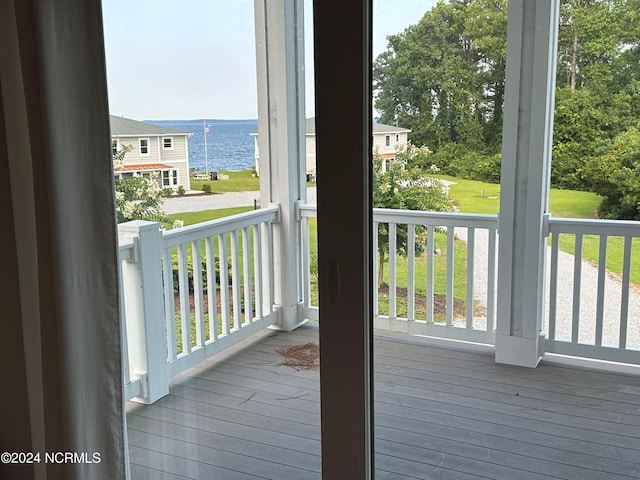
(239, 181)
(471, 197)
(478, 197)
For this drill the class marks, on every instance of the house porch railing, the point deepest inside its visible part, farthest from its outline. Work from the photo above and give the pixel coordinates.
(439, 277)
(189, 293)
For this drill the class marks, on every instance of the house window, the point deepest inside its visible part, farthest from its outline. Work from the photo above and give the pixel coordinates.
(387, 140)
(167, 143)
(397, 138)
(144, 146)
(114, 147)
(169, 178)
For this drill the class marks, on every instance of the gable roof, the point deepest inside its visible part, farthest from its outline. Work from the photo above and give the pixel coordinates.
(376, 127)
(121, 126)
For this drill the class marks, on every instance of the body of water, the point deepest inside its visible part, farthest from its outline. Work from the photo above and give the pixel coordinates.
(229, 143)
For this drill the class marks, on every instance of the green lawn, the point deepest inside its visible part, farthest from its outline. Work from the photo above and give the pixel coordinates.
(478, 197)
(240, 181)
(471, 197)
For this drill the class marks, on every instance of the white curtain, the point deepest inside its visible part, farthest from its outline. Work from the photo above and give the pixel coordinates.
(60, 353)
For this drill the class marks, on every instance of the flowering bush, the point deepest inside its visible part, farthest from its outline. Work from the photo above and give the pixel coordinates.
(137, 198)
(402, 185)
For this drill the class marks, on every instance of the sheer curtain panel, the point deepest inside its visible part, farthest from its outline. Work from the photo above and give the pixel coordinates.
(60, 356)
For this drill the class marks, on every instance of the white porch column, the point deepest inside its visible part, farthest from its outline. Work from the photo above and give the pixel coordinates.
(281, 126)
(532, 32)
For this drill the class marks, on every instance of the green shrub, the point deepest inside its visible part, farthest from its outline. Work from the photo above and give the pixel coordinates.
(167, 192)
(181, 190)
(206, 188)
(203, 272)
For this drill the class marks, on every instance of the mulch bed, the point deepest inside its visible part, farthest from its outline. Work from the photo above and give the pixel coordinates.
(439, 303)
(176, 300)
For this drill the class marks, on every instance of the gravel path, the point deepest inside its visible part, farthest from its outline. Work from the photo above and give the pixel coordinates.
(564, 302)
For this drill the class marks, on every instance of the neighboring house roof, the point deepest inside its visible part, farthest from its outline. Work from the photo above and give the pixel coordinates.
(310, 127)
(144, 166)
(126, 127)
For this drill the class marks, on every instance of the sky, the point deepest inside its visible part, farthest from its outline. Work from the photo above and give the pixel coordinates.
(196, 58)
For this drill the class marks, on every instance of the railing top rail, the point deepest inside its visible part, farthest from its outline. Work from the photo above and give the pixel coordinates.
(442, 219)
(198, 231)
(418, 217)
(611, 228)
(126, 250)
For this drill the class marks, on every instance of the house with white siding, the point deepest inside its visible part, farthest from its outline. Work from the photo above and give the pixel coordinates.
(387, 142)
(154, 148)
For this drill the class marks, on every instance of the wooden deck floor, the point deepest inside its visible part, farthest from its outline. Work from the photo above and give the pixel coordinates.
(440, 414)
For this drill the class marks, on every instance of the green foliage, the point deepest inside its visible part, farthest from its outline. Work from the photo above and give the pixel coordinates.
(206, 188)
(401, 185)
(461, 162)
(180, 190)
(203, 272)
(139, 198)
(167, 192)
(444, 79)
(616, 176)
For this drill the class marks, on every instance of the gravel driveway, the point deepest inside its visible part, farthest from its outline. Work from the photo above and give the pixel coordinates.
(564, 303)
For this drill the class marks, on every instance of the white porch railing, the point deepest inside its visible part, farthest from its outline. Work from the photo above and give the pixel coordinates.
(190, 293)
(593, 313)
(430, 241)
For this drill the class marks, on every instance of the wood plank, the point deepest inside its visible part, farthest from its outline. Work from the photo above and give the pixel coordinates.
(440, 413)
(177, 464)
(503, 427)
(162, 436)
(139, 472)
(521, 454)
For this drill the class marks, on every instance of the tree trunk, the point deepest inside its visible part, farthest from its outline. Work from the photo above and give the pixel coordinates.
(574, 61)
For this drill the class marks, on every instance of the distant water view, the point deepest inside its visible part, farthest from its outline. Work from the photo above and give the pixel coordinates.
(230, 145)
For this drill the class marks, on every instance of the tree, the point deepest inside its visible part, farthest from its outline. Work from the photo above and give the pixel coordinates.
(137, 198)
(402, 185)
(616, 176)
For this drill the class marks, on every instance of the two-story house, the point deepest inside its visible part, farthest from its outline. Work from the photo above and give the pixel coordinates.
(387, 142)
(153, 148)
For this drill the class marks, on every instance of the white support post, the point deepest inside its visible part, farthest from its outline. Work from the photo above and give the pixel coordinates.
(281, 126)
(144, 307)
(532, 32)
